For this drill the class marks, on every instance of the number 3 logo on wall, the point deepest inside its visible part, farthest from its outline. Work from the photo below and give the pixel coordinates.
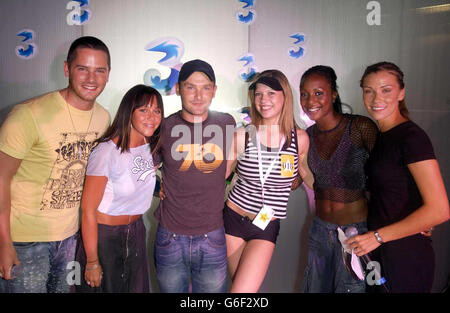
(173, 50)
(31, 49)
(250, 17)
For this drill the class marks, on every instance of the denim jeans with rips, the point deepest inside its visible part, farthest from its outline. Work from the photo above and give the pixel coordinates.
(182, 259)
(326, 271)
(44, 267)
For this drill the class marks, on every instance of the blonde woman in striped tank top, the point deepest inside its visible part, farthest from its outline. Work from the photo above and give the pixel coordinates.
(269, 157)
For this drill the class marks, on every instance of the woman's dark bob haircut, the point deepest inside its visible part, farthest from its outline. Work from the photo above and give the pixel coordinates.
(136, 97)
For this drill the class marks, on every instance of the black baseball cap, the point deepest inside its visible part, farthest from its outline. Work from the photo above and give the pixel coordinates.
(268, 81)
(196, 66)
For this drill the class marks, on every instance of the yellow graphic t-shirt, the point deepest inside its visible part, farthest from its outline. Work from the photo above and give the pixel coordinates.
(53, 140)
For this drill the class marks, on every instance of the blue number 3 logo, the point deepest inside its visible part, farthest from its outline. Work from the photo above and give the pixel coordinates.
(251, 13)
(173, 50)
(300, 52)
(31, 49)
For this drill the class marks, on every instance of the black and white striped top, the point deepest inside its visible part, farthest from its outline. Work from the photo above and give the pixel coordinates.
(247, 193)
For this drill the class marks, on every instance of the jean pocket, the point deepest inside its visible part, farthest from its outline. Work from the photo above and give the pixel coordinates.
(317, 238)
(24, 245)
(358, 286)
(164, 238)
(216, 238)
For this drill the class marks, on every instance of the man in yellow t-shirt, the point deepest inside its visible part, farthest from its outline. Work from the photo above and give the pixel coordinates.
(45, 143)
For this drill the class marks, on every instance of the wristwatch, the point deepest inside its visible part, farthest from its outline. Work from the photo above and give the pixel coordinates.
(378, 237)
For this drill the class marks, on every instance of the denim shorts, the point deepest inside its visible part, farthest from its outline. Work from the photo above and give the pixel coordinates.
(241, 226)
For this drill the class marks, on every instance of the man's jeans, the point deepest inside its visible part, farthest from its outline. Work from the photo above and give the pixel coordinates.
(43, 267)
(326, 271)
(180, 258)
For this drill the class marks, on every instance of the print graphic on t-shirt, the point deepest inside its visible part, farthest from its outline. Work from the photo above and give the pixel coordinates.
(65, 184)
(143, 167)
(206, 158)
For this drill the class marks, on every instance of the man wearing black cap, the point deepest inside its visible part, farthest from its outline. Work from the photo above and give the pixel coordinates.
(190, 240)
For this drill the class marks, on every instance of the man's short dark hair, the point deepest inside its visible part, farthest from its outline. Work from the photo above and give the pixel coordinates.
(87, 42)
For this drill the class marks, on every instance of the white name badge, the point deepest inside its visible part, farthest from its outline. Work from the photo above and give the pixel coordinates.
(264, 217)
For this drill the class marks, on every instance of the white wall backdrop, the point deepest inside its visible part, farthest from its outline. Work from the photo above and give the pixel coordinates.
(23, 79)
(415, 34)
(207, 28)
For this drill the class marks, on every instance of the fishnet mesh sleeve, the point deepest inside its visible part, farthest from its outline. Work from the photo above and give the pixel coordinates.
(364, 132)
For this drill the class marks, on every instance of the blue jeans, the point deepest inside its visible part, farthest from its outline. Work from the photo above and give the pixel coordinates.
(326, 271)
(182, 259)
(44, 267)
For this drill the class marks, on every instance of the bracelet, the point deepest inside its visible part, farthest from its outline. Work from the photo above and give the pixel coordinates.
(378, 237)
(93, 267)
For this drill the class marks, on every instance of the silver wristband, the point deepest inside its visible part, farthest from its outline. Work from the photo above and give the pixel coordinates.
(378, 237)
